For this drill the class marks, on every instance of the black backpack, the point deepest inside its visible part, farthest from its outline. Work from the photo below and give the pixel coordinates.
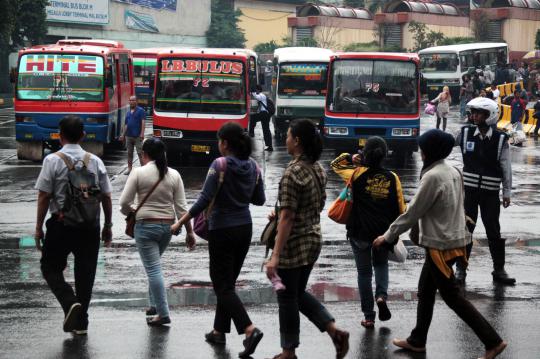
(270, 106)
(83, 195)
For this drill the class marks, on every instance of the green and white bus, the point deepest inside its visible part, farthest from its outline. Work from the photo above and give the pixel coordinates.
(299, 85)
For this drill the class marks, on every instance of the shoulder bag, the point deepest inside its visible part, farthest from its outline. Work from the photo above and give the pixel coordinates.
(130, 219)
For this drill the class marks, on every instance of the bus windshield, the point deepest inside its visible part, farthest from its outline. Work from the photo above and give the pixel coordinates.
(302, 79)
(201, 86)
(144, 70)
(439, 62)
(373, 86)
(60, 77)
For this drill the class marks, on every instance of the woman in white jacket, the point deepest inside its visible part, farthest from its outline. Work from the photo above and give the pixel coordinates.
(438, 211)
(443, 101)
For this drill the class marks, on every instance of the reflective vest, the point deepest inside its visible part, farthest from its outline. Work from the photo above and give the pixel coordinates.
(481, 166)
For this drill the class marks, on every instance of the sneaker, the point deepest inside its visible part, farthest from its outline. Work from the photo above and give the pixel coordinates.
(500, 276)
(214, 338)
(72, 317)
(384, 312)
(81, 331)
(269, 148)
(151, 311)
(157, 321)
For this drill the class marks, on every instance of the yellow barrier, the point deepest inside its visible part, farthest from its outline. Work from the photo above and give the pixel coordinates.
(505, 115)
(507, 89)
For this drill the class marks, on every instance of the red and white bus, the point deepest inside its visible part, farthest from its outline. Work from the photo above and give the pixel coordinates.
(373, 94)
(196, 92)
(88, 78)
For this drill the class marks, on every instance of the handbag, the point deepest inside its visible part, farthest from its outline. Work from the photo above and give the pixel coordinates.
(430, 109)
(398, 253)
(341, 208)
(200, 222)
(130, 219)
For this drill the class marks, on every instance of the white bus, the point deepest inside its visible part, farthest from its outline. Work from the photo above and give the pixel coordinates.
(445, 65)
(299, 86)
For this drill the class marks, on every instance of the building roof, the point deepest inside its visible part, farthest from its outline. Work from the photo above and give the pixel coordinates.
(330, 10)
(530, 4)
(422, 7)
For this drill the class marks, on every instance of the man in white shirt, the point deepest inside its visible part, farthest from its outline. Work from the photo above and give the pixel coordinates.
(495, 91)
(263, 116)
(62, 238)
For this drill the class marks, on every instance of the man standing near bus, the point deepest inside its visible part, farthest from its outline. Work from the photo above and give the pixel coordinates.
(133, 133)
(263, 116)
(486, 165)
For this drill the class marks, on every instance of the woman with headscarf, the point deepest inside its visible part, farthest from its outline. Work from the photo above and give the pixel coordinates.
(437, 217)
(443, 101)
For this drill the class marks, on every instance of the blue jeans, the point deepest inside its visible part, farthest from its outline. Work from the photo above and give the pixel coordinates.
(365, 258)
(152, 239)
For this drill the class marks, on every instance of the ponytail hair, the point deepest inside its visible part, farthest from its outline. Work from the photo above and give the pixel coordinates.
(237, 139)
(157, 151)
(309, 138)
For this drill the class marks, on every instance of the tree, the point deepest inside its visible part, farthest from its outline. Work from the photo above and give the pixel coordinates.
(354, 3)
(481, 27)
(224, 30)
(266, 47)
(423, 37)
(22, 22)
(375, 5)
(456, 40)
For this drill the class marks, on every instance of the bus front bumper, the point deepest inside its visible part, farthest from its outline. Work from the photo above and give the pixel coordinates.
(32, 132)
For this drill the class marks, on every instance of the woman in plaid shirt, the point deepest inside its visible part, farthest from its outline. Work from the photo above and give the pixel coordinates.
(298, 242)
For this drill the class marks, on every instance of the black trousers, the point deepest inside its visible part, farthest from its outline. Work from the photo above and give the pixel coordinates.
(295, 300)
(490, 209)
(264, 119)
(59, 242)
(228, 248)
(431, 280)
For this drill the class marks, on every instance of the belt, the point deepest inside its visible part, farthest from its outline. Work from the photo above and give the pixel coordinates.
(156, 220)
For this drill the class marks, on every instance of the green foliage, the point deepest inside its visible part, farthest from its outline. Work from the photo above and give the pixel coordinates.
(266, 47)
(481, 28)
(354, 3)
(537, 40)
(423, 37)
(362, 46)
(224, 30)
(456, 40)
(22, 21)
(375, 5)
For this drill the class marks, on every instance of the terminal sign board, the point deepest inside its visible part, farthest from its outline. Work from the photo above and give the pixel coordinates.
(79, 11)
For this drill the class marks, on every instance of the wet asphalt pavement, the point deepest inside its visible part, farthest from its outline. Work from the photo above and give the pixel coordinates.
(31, 318)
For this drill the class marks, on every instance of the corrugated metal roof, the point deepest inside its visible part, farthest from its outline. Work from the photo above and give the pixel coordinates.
(329, 10)
(422, 7)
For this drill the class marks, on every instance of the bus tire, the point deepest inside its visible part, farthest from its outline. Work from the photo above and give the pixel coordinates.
(93, 147)
(32, 151)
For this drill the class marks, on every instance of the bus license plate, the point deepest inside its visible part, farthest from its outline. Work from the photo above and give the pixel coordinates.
(199, 148)
(143, 102)
(434, 88)
(55, 136)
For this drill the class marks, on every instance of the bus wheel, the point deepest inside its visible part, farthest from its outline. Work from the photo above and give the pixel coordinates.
(93, 147)
(32, 151)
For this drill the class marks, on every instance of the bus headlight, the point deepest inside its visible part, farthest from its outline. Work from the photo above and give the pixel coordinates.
(157, 133)
(339, 131)
(401, 132)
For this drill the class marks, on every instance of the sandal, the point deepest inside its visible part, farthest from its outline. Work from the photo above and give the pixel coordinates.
(369, 324)
(341, 342)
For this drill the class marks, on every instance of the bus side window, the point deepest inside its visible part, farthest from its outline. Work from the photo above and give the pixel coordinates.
(111, 76)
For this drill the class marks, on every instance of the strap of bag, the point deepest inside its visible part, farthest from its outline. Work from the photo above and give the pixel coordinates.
(147, 195)
(262, 103)
(220, 184)
(66, 160)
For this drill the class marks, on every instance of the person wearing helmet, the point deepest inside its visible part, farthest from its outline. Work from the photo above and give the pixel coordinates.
(377, 201)
(486, 165)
